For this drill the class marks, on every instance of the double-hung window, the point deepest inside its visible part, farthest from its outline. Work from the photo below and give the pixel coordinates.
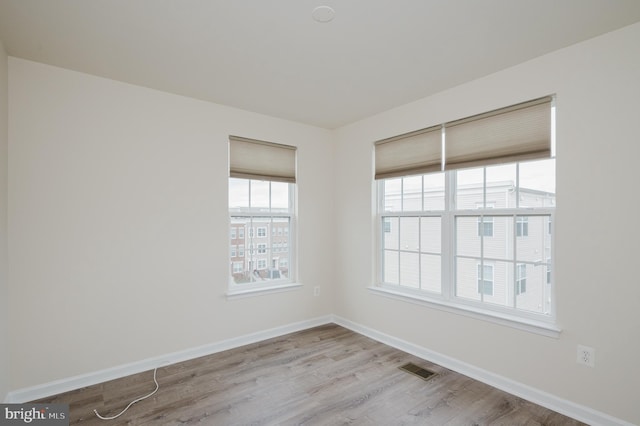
(261, 206)
(464, 213)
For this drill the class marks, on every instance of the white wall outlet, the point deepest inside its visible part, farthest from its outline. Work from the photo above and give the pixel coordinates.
(586, 356)
(316, 290)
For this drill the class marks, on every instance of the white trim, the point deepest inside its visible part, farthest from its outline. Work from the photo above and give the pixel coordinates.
(83, 380)
(568, 408)
(545, 399)
(517, 322)
(259, 291)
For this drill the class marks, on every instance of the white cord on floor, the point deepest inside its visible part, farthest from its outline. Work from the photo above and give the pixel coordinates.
(134, 401)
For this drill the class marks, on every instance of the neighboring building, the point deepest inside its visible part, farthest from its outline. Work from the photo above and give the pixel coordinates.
(259, 249)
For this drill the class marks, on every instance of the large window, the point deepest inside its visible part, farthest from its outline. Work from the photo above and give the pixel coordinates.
(473, 234)
(261, 210)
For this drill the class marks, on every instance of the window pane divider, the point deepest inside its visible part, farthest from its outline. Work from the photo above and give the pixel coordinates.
(260, 214)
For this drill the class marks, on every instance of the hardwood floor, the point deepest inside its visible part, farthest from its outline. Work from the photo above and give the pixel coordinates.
(327, 375)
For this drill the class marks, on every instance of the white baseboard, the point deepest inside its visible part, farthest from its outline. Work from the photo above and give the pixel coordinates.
(552, 402)
(568, 408)
(76, 382)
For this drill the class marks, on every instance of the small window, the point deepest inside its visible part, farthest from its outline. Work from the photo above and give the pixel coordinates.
(386, 225)
(522, 226)
(262, 232)
(485, 279)
(521, 278)
(485, 226)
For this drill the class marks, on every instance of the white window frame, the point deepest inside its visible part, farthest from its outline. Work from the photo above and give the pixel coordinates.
(544, 324)
(238, 290)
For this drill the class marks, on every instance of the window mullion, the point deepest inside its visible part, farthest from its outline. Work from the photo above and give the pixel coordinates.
(515, 257)
(420, 247)
(447, 243)
(399, 245)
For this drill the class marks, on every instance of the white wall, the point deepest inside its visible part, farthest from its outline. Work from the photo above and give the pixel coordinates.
(598, 297)
(118, 223)
(4, 301)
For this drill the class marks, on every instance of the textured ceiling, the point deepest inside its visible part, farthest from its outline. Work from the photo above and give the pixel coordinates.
(271, 57)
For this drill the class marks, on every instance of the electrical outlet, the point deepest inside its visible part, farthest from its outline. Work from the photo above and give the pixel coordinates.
(586, 356)
(316, 290)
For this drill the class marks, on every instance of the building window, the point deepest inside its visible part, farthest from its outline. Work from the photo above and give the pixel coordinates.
(522, 226)
(237, 267)
(262, 232)
(450, 212)
(241, 250)
(485, 279)
(521, 278)
(233, 232)
(233, 251)
(241, 233)
(262, 248)
(485, 226)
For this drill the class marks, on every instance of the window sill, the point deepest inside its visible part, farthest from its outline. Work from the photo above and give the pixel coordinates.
(531, 326)
(233, 294)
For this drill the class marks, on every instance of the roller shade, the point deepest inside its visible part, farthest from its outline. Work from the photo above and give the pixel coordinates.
(254, 159)
(409, 154)
(516, 133)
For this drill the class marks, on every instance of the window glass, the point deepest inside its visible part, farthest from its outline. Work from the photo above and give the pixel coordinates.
(261, 223)
(500, 257)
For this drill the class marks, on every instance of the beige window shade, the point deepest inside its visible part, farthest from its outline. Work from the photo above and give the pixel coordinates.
(409, 154)
(253, 159)
(516, 133)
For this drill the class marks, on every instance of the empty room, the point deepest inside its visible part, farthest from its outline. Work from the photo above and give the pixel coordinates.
(294, 212)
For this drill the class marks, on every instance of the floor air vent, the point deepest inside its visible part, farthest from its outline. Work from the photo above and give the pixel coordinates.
(417, 371)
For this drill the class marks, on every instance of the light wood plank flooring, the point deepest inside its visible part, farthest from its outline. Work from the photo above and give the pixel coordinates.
(326, 375)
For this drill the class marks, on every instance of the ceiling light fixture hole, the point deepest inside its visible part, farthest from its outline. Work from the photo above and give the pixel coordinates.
(323, 14)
